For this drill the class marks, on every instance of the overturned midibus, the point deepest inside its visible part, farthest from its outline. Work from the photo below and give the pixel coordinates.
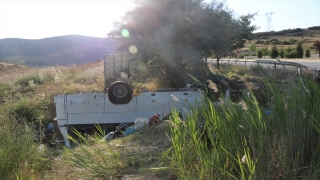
(117, 104)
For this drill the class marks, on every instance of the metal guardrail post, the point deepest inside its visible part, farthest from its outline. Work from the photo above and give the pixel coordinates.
(228, 62)
(245, 62)
(275, 65)
(258, 63)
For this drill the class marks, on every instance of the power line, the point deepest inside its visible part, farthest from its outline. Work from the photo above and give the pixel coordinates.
(269, 26)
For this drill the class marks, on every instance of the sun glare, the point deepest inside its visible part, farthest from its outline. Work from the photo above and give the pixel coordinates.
(125, 33)
(41, 19)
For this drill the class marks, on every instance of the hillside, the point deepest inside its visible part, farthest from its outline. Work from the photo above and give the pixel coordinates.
(61, 50)
(76, 49)
(285, 39)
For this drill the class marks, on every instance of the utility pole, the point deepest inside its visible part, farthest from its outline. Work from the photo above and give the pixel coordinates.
(269, 26)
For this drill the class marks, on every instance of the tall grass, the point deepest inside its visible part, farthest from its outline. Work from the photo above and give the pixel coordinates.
(138, 153)
(96, 159)
(19, 155)
(240, 141)
(29, 101)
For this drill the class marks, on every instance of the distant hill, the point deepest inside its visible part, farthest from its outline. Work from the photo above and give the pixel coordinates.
(290, 32)
(61, 50)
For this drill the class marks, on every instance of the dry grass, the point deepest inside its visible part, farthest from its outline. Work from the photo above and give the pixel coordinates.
(139, 152)
(307, 41)
(136, 154)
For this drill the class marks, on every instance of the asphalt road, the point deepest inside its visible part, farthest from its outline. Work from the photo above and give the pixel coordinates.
(309, 63)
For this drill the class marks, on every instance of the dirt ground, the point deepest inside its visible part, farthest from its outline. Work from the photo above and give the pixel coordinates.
(10, 72)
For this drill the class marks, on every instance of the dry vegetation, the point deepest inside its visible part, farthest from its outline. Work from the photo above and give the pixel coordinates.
(286, 41)
(143, 155)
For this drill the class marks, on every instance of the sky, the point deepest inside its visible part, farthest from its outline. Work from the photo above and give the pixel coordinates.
(37, 19)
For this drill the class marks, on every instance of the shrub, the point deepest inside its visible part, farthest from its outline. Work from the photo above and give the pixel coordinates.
(18, 153)
(6, 92)
(281, 53)
(264, 51)
(292, 40)
(307, 53)
(259, 54)
(299, 50)
(285, 43)
(25, 80)
(24, 109)
(291, 54)
(274, 52)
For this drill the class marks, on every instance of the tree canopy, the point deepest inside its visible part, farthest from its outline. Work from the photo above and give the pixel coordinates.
(172, 37)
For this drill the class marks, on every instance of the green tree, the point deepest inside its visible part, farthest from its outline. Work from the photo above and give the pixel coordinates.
(307, 53)
(299, 50)
(264, 51)
(274, 52)
(290, 53)
(259, 54)
(179, 35)
(253, 47)
(281, 53)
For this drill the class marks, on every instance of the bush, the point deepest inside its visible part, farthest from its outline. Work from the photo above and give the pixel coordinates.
(265, 51)
(307, 53)
(259, 54)
(299, 50)
(266, 43)
(274, 52)
(32, 112)
(6, 92)
(292, 40)
(281, 53)
(290, 54)
(18, 153)
(24, 109)
(26, 80)
(285, 43)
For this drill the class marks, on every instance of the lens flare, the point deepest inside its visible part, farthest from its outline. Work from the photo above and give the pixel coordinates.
(125, 33)
(133, 49)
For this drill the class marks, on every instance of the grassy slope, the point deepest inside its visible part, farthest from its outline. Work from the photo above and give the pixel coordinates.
(141, 151)
(309, 36)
